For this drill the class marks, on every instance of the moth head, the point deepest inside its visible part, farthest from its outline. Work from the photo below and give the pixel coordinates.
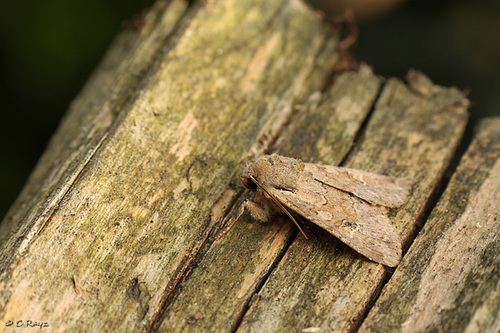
(247, 175)
(249, 183)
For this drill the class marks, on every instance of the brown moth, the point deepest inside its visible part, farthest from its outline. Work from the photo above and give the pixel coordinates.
(345, 202)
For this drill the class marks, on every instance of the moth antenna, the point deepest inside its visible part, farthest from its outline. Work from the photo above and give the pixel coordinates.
(283, 209)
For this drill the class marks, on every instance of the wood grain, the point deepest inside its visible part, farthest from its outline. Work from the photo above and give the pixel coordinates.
(116, 228)
(233, 269)
(121, 224)
(321, 283)
(449, 279)
(87, 122)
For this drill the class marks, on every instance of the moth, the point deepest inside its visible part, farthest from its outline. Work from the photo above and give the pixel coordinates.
(347, 203)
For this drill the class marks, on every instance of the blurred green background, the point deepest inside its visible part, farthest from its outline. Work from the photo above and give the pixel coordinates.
(49, 48)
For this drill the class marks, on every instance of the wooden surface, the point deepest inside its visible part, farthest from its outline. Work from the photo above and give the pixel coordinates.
(116, 229)
(87, 123)
(449, 279)
(132, 183)
(322, 284)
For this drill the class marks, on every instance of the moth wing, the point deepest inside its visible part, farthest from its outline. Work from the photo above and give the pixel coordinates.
(363, 227)
(374, 188)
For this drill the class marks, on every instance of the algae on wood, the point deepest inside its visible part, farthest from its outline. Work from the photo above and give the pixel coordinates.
(87, 121)
(449, 279)
(130, 203)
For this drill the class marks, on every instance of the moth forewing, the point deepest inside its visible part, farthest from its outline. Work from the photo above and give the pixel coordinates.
(362, 226)
(374, 188)
(278, 203)
(344, 202)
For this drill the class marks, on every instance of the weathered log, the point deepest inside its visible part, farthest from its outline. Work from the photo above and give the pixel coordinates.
(116, 229)
(119, 205)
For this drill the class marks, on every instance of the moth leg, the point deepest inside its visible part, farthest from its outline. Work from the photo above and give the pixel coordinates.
(257, 211)
(260, 208)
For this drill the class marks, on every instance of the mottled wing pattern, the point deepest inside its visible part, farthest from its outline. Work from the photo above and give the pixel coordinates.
(362, 226)
(374, 188)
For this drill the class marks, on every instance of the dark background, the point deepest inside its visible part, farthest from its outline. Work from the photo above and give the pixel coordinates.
(49, 48)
